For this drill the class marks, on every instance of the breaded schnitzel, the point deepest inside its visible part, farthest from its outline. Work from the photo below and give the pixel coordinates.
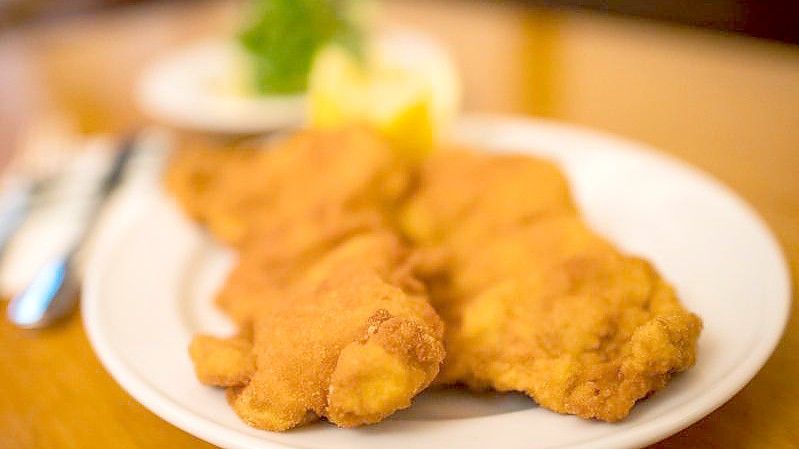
(333, 322)
(352, 339)
(536, 302)
(242, 192)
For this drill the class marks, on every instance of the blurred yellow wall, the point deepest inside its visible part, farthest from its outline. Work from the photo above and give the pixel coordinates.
(683, 89)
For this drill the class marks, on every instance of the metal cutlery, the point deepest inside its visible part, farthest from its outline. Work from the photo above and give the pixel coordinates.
(45, 149)
(53, 292)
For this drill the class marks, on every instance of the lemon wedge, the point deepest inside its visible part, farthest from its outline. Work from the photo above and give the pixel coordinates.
(406, 87)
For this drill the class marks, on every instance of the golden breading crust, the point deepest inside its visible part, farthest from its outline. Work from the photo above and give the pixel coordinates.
(333, 322)
(352, 338)
(534, 301)
(243, 192)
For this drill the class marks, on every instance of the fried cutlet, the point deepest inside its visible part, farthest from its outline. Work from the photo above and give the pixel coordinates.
(536, 302)
(333, 322)
(242, 192)
(533, 300)
(352, 338)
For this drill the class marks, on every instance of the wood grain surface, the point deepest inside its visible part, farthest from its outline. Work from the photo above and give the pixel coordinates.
(727, 104)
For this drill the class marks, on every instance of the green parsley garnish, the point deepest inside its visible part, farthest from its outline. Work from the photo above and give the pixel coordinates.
(282, 37)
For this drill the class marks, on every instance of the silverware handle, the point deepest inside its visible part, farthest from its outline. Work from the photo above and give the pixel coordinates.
(53, 292)
(15, 202)
(50, 296)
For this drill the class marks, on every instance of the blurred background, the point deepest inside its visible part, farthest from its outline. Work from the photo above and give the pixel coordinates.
(678, 74)
(715, 83)
(768, 19)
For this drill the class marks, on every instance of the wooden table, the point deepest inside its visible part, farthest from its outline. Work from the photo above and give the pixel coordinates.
(727, 104)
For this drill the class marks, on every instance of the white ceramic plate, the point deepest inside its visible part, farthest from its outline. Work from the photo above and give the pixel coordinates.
(150, 284)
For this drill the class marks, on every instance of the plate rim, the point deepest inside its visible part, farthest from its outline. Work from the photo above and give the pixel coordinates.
(646, 433)
(261, 113)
